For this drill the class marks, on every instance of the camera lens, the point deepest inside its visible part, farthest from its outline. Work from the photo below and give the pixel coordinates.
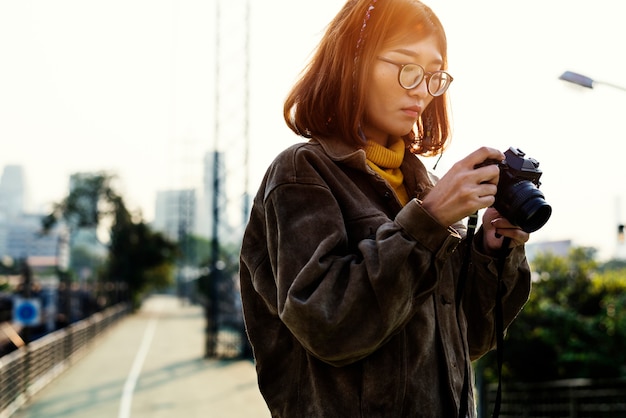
(526, 206)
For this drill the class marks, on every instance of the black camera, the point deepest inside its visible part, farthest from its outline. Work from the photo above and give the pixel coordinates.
(518, 198)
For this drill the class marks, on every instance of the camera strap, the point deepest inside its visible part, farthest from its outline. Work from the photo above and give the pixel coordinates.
(471, 229)
(498, 314)
(504, 249)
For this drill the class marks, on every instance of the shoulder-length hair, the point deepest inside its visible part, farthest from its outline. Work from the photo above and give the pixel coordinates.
(329, 98)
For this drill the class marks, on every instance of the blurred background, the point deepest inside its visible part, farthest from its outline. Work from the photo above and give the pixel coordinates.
(157, 120)
(132, 88)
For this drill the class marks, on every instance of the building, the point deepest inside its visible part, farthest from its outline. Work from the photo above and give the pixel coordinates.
(558, 248)
(194, 211)
(21, 236)
(12, 192)
(175, 213)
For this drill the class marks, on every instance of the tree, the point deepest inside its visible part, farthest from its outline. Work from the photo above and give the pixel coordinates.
(573, 326)
(85, 205)
(138, 257)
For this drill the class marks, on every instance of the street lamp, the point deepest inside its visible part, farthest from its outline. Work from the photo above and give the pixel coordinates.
(584, 81)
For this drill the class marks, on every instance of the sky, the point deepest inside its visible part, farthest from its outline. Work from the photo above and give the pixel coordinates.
(129, 87)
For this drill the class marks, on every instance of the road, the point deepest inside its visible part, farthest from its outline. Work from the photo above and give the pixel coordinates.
(151, 365)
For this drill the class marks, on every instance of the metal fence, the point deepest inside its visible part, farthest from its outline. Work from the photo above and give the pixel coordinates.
(225, 331)
(27, 370)
(575, 398)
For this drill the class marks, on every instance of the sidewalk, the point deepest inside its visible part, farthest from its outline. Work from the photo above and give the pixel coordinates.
(151, 365)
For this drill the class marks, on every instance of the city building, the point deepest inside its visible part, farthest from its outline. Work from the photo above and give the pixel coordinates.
(194, 211)
(21, 233)
(558, 248)
(175, 213)
(12, 192)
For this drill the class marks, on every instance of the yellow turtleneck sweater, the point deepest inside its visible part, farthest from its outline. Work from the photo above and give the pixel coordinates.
(386, 162)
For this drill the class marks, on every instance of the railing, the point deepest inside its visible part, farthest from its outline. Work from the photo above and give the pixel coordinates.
(574, 398)
(27, 370)
(225, 332)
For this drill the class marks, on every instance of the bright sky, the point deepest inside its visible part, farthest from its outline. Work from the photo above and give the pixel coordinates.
(128, 87)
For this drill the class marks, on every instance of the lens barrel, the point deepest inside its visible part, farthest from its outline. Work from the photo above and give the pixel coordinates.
(523, 204)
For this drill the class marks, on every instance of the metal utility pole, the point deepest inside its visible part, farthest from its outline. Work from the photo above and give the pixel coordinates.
(211, 309)
(230, 164)
(620, 251)
(211, 330)
(27, 283)
(246, 136)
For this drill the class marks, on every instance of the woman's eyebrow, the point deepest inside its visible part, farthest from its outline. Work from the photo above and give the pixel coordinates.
(413, 54)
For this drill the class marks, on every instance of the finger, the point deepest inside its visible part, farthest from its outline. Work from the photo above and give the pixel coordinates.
(501, 222)
(484, 154)
(486, 190)
(517, 236)
(490, 214)
(488, 174)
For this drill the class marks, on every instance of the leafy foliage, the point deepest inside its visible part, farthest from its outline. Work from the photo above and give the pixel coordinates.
(573, 326)
(85, 206)
(138, 257)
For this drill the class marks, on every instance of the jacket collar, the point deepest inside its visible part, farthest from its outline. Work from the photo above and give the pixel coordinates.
(416, 177)
(340, 151)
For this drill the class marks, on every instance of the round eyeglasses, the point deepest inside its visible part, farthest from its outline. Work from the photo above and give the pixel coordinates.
(411, 75)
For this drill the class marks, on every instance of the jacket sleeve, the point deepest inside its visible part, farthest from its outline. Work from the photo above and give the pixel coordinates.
(343, 301)
(479, 300)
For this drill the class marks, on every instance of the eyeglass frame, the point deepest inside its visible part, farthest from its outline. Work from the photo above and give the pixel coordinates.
(426, 75)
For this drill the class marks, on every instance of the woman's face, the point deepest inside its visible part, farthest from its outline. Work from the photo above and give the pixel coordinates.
(390, 110)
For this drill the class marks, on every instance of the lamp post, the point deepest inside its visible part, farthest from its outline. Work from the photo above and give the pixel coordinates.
(584, 81)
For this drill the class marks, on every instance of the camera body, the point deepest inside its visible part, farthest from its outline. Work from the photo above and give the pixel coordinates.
(518, 197)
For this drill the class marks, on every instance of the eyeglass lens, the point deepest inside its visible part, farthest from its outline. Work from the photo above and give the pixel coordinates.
(412, 75)
(438, 83)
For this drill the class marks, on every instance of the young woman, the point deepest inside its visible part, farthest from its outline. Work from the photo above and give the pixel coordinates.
(352, 255)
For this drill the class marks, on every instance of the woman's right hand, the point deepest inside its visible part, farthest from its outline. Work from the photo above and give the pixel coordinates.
(465, 188)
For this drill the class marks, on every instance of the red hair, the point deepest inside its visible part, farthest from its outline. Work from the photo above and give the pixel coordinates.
(329, 98)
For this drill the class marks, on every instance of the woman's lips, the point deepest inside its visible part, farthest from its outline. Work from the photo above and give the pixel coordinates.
(413, 111)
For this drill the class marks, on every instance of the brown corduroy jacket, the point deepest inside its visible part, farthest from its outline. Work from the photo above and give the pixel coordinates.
(349, 298)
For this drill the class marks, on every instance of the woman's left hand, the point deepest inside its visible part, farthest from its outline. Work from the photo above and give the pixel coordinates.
(495, 228)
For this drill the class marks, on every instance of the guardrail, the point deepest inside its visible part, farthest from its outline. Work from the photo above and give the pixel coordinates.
(28, 369)
(584, 398)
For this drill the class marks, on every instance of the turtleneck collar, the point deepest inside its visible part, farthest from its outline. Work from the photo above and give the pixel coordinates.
(386, 162)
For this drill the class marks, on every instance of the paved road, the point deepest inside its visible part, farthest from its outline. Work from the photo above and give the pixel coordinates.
(151, 365)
